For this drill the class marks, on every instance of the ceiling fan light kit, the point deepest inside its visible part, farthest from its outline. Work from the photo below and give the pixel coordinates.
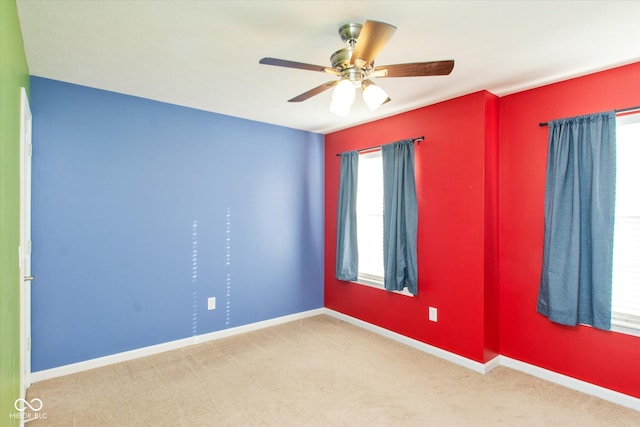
(342, 98)
(354, 65)
(374, 96)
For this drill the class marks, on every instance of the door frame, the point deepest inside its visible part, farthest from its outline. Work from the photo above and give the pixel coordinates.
(25, 242)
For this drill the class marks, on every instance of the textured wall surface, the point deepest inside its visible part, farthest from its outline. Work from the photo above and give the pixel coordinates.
(607, 359)
(456, 212)
(143, 210)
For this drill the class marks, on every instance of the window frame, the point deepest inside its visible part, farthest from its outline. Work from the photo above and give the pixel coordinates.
(618, 323)
(364, 278)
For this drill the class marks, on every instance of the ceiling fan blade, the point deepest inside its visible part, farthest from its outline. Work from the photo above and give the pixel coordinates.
(373, 37)
(298, 65)
(315, 91)
(416, 69)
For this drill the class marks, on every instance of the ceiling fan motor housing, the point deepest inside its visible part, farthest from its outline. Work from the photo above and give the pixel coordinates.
(341, 61)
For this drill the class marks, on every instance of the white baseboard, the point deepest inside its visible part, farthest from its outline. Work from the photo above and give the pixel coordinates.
(545, 374)
(160, 348)
(572, 383)
(482, 368)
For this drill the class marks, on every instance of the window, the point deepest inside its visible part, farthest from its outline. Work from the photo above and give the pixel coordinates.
(369, 207)
(377, 212)
(369, 214)
(626, 241)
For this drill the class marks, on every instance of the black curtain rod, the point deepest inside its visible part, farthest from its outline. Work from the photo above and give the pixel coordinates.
(418, 139)
(622, 110)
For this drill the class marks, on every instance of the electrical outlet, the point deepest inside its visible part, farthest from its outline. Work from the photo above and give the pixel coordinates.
(433, 314)
(211, 303)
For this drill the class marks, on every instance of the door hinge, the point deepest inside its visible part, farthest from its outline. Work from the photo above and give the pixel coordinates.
(30, 150)
(29, 344)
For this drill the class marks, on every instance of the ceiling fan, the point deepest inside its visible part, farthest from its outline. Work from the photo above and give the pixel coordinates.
(354, 65)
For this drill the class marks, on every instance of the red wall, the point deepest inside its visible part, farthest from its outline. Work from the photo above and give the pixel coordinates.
(456, 175)
(608, 359)
(491, 278)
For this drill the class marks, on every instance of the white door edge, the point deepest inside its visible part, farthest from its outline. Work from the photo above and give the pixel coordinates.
(25, 242)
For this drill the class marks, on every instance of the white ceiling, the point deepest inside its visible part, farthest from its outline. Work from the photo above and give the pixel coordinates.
(204, 54)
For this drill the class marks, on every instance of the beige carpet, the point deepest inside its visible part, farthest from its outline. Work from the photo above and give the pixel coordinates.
(318, 371)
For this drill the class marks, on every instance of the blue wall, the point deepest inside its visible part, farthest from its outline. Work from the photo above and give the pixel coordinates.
(142, 210)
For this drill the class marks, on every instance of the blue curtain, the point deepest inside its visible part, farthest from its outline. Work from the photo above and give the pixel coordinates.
(575, 285)
(400, 217)
(347, 239)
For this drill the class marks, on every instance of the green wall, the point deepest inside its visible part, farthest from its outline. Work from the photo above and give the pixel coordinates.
(14, 74)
